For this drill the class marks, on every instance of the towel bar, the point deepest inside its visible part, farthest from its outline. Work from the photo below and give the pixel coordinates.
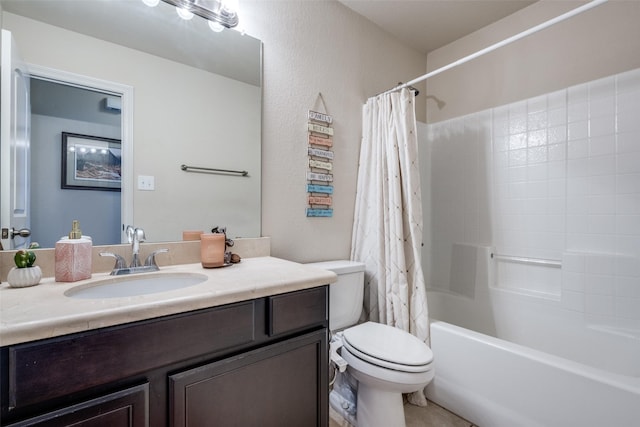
(212, 170)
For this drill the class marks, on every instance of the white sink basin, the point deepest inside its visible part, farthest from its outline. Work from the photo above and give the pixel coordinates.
(128, 286)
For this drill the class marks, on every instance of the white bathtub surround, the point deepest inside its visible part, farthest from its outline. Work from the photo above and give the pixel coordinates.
(553, 178)
(552, 184)
(387, 232)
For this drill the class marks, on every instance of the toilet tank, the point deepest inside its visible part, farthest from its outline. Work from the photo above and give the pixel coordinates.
(345, 295)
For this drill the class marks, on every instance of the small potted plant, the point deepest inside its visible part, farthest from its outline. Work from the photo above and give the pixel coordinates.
(24, 273)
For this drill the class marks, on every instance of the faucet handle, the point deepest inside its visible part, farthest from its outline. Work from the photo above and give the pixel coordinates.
(120, 262)
(151, 259)
(129, 233)
(138, 234)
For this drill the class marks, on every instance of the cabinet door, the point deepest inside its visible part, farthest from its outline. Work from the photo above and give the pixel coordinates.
(283, 384)
(127, 408)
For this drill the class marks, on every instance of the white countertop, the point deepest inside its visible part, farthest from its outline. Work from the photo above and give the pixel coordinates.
(43, 311)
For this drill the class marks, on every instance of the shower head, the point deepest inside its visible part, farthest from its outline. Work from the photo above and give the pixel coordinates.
(440, 103)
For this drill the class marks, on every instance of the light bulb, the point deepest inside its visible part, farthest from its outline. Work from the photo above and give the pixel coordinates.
(151, 3)
(184, 13)
(215, 26)
(230, 6)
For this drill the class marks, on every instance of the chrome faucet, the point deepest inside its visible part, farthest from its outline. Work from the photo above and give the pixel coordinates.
(135, 236)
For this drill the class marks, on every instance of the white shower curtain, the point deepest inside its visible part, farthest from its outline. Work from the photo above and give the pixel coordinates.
(387, 229)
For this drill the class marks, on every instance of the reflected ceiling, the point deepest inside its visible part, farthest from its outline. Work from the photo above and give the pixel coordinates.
(170, 37)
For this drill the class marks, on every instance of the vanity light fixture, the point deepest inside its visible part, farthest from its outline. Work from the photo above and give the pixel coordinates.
(220, 13)
(151, 3)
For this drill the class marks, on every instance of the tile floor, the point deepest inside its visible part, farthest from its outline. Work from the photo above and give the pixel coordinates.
(415, 416)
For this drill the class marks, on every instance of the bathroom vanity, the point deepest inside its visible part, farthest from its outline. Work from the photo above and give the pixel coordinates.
(224, 352)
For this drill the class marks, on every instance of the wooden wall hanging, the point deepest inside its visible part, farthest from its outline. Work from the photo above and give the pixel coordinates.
(320, 163)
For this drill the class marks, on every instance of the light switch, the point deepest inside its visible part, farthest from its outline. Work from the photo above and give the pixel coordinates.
(146, 183)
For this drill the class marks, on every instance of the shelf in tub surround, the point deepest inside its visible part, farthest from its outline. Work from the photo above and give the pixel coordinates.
(43, 311)
(553, 263)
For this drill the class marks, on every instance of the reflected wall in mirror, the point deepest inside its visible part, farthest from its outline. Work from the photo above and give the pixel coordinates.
(196, 101)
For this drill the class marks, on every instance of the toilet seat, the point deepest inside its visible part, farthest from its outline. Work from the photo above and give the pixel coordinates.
(388, 347)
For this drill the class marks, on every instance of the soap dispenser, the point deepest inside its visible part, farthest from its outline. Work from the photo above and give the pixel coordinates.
(73, 256)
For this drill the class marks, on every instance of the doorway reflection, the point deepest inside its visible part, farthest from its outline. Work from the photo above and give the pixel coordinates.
(56, 108)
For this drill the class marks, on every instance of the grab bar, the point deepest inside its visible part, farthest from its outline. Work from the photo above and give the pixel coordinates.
(212, 170)
(552, 263)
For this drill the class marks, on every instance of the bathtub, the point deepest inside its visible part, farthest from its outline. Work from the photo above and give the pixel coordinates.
(495, 383)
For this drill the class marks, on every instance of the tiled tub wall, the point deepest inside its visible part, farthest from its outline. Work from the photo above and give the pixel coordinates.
(556, 177)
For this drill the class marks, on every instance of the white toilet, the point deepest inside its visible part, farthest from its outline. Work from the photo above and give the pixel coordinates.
(385, 361)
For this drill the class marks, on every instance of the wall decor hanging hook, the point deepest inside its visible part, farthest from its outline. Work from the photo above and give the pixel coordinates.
(323, 116)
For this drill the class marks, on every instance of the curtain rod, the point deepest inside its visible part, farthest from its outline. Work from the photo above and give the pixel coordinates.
(504, 42)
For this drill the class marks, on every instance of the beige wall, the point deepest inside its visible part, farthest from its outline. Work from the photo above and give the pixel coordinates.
(311, 47)
(597, 43)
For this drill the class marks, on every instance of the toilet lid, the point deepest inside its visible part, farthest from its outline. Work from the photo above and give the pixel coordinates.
(378, 343)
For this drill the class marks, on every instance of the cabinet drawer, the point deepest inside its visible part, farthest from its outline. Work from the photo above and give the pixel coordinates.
(57, 367)
(126, 408)
(297, 310)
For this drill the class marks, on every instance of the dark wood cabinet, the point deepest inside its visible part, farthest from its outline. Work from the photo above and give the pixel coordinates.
(259, 362)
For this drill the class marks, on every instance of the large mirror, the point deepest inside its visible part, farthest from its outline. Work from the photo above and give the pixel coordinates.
(195, 100)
